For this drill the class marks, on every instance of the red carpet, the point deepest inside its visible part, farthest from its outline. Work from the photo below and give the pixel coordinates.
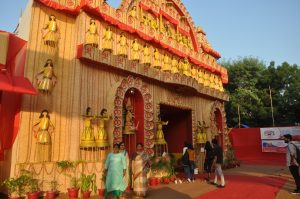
(247, 147)
(247, 187)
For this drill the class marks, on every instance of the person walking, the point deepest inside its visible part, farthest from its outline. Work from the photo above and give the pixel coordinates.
(218, 159)
(115, 170)
(191, 152)
(209, 158)
(186, 162)
(291, 161)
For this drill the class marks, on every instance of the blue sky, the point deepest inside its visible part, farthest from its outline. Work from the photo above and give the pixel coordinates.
(265, 29)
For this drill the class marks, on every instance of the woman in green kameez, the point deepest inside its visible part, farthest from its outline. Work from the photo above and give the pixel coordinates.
(115, 170)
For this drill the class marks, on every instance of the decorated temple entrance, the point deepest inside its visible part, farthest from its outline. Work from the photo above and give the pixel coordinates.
(133, 114)
(179, 127)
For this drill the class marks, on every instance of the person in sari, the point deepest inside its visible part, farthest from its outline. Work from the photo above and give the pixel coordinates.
(140, 168)
(126, 156)
(115, 170)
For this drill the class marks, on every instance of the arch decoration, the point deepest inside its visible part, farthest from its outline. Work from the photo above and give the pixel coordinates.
(136, 83)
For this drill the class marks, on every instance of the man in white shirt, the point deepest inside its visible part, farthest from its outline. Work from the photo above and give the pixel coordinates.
(291, 161)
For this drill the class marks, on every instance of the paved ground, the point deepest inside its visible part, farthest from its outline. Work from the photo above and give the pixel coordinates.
(199, 187)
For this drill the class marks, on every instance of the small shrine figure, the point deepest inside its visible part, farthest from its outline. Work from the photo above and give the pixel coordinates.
(174, 65)
(101, 135)
(122, 45)
(129, 120)
(221, 85)
(135, 50)
(166, 63)
(190, 44)
(145, 20)
(160, 138)
(154, 24)
(211, 80)
(42, 134)
(108, 38)
(92, 34)
(146, 55)
(206, 78)
(132, 12)
(88, 138)
(46, 79)
(194, 73)
(186, 67)
(51, 32)
(201, 132)
(157, 61)
(200, 76)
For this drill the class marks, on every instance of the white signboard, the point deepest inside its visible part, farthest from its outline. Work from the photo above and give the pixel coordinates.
(275, 133)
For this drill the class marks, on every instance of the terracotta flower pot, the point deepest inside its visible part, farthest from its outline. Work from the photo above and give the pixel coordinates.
(101, 192)
(86, 194)
(152, 181)
(33, 195)
(73, 193)
(51, 194)
(166, 181)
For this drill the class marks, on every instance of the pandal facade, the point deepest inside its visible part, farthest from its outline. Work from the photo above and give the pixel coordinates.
(139, 73)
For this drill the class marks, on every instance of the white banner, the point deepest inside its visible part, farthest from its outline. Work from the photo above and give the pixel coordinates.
(275, 133)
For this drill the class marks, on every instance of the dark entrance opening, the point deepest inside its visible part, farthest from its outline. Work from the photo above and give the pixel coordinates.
(179, 128)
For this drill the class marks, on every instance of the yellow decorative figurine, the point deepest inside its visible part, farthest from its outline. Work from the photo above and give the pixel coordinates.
(201, 132)
(166, 63)
(122, 45)
(146, 55)
(107, 43)
(174, 65)
(132, 12)
(46, 79)
(157, 61)
(51, 32)
(92, 34)
(88, 138)
(129, 120)
(200, 76)
(206, 78)
(135, 50)
(42, 134)
(194, 73)
(160, 138)
(101, 136)
(186, 67)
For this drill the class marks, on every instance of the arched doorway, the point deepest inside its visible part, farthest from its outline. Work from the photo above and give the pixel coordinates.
(132, 91)
(218, 124)
(133, 118)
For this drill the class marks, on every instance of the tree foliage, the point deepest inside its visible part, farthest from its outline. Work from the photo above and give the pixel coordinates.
(249, 82)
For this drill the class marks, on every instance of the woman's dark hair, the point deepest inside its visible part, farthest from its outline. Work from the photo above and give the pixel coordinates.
(208, 146)
(122, 143)
(45, 110)
(190, 146)
(88, 109)
(51, 63)
(215, 141)
(116, 145)
(103, 110)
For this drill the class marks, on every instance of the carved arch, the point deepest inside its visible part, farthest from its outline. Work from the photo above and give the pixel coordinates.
(137, 83)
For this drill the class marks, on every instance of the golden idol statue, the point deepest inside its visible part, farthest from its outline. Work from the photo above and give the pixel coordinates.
(42, 134)
(46, 79)
(107, 39)
(201, 132)
(51, 32)
(101, 136)
(129, 127)
(135, 50)
(174, 65)
(156, 61)
(122, 50)
(132, 12)
(160, 138)
(186, 67)
(88, 138)
(166, 63)
(92, 34)
(146, 55)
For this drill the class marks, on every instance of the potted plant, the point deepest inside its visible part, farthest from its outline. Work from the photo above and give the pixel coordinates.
(101, 190)
(15, 187)
(66, 166)
(87, 184)
(31, 184)
(52, 193)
